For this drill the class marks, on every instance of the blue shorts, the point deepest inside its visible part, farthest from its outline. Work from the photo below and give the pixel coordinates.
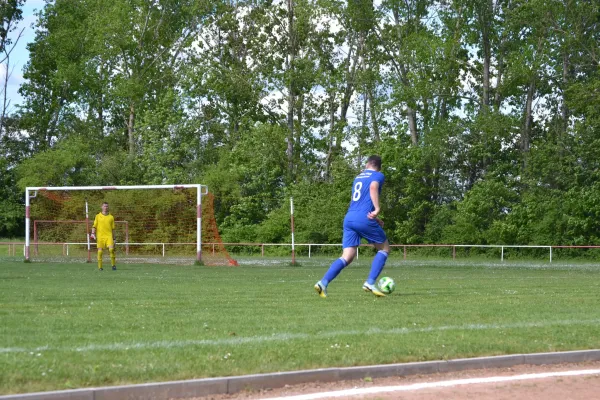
(357, 227)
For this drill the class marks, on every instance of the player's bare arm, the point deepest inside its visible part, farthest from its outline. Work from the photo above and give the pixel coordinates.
(93, 235)
(374, 192)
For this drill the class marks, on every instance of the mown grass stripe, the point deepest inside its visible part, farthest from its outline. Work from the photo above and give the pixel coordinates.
(166, 344)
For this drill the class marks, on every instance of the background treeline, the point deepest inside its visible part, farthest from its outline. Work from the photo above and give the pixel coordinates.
(486, 112)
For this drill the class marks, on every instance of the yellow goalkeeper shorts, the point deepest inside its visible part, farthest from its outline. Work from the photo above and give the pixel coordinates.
(105, 242)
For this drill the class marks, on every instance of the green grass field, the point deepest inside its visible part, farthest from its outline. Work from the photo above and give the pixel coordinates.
(70, 326)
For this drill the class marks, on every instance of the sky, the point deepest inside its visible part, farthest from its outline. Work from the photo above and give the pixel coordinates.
(20, 55)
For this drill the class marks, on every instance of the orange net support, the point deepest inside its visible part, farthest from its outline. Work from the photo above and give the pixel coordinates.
(213, 250)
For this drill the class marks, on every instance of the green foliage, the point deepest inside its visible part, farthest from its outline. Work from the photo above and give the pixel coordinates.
(248, 181)
(68, 164)
(117, 168)
(319, 210)
(276, 228)
(583, 221)
(486, 116)
(12, 209)
(169, 143)
(10, 15)
(478, 218)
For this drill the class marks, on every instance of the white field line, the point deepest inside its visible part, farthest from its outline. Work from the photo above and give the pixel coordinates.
(435, 385)
(281, 337)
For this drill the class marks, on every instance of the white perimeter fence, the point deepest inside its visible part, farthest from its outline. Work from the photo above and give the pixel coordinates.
(18, 248)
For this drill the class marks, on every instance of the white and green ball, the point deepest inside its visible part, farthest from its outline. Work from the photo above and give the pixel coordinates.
(387, 285)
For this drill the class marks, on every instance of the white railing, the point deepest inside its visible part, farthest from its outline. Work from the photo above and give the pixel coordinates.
(502, 247)
(13, 246)
(491, 246)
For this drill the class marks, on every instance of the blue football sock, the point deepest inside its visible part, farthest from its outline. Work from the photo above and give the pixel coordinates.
(336, 267)
(377, 266)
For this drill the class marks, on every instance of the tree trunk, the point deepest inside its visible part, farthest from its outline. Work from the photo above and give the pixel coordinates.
(351, 67)
(10, 17)
(497, 96)
(451, 57)
(290, 138)
(412, 125)
(298, 130)
(364, 128)
(130, 129)
(485, 44)
(101, 100)
(291, 98)
(373, 113)
(565, 81)
(4, 110)
(500, 57)
(330, 149)
(526, 132)
(53, 124)
(411, 113)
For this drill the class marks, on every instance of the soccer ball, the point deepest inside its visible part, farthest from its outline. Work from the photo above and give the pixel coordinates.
(387, 285)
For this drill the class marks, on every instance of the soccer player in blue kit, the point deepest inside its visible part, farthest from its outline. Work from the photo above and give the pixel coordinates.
(362, 221)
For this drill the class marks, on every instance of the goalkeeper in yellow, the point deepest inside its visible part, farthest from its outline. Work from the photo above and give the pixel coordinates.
(103, 233)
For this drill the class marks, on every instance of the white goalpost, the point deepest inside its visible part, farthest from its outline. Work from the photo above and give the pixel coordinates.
(152, 216)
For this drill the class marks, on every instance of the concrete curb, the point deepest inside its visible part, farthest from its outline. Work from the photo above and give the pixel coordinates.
(228, 385)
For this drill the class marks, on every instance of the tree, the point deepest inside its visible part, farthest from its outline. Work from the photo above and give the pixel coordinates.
(484, 111)
(11, 208)
(10, 15)
(249, 181)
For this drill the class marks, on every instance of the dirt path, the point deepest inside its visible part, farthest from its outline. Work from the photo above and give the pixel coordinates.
(583, 387)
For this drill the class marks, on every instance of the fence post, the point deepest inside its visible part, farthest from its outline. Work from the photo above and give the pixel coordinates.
(502, 254)
(309, 251)
(550, 254)
(405, 252)
(262, 249)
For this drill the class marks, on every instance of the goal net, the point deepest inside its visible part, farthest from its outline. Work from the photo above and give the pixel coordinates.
(158, 223)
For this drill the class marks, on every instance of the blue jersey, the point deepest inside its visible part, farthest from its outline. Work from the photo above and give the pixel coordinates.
(361, 192)
(357, 225)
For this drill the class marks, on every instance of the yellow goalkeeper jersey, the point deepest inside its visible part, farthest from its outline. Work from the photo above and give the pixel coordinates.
(104, 224)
